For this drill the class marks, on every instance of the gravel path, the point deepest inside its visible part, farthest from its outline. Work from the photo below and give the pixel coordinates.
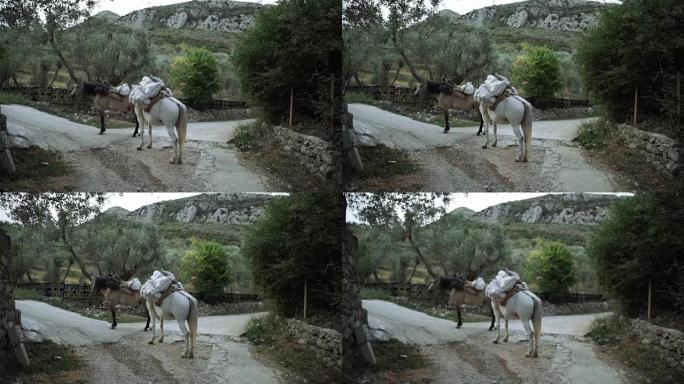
(467, 355)
(111, 162)
(457, 162)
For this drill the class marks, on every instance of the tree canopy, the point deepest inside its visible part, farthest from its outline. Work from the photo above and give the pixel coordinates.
(551, 267)
(196, 74)
(537, 72)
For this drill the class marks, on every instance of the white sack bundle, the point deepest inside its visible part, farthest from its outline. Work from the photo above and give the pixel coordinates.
(123, 89)
(149, 291)
(484, 95)
(134, 284)
(479, 284)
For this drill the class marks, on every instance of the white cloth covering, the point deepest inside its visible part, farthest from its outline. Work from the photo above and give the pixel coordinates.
(123, 89)
(134, 284)
(157, 284)
(502, 283)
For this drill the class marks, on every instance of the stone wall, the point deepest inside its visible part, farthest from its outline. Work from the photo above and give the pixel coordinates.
(668, 343)
(315, 154)
(325, 342)
(8, 313)
(663, 152)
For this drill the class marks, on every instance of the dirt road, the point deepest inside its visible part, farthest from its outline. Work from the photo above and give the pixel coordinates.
(457, 162)
(467, 355)
(110, 162)
(123, 355)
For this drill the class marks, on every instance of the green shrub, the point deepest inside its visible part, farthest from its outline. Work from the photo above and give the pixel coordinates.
(13, 98)
(551, 266)
(375, 294)
(595, 134)
(297, 241)
(196, 75)
(294, 45)
(359, 97)
(260, 329)
(27, 294)
(608, 329)
(206, 266)
(251, 135)
(537, 72)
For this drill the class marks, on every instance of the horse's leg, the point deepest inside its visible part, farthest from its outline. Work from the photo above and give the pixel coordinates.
(186, 336)
(161, 329)
(153, 314)
(147, 326)
(137, 124)
(446, 120)
(521, 141)
(458, 310)
(149, 128)
(142, 132)
(479, 132)
(491, 327)
(113, 308)
(102, 124)
(496, 138)
(175, 142)
(507, 334)
(486, 121)
(497, 314)
(530, 334)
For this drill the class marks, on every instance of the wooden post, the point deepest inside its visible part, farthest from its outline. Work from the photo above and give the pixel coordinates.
(636, 98)
(305, 289)
(332, 105)
(679, 102)
(648, 311)
(291, 104)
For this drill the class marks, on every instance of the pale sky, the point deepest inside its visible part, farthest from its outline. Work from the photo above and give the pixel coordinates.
(465, 6)
(476, 201)
(122, 7)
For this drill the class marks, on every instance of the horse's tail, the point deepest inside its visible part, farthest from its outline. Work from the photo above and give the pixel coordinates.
(182, 124)
(192, 320)
(527, 121)
(537, 314)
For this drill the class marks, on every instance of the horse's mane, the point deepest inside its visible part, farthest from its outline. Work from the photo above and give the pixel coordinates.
(98, 88)
(448, 283)
(109, 281)
(434, 87)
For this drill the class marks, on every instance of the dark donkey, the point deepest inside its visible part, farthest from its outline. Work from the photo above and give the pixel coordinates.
(462, 291)
(105, 99)
(449, 97)
(115, 294)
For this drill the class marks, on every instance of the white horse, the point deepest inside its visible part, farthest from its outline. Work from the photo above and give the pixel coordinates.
(523, 305)
(170, 113)
(513, 110)
(181, 306)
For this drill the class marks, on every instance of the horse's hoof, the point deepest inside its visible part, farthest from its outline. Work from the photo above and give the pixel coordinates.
(113, 327)
(191, 356)
(139, 148)
(172, 161)
(535, 355)
(505, 340)
(446, 131)
(101, 132)
(484, 147)
(149, 146)
(494, 145)
(184, 356)
(496, 341)
(491, 328)
(161, 341)
(151, 342)
(517, 159)
(179, 161)
(524, 160)
(458, 326)
(145, 330)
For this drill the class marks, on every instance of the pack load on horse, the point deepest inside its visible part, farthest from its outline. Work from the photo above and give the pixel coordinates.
(510, 299)
(461, 291)
(166, 297)
(450, 96)
(155, 105)
(500, 103)
(118, 292)
(106, 98)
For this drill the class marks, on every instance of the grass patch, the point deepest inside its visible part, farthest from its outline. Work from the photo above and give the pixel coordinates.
(396, 363)
(250, 136)
(13, 98)
(36, 168)
(27, 294)
(454, 122)
(269, 334)
(375, 294)
(612, 335)
(109, 124)
(359, 97)
(595, 134)
(383, 162)
(50, 364)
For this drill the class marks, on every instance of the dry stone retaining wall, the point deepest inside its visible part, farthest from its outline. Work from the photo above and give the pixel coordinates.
(313, 153)
(8, 313)
(325, 342)
(668, 343)
(663, 152)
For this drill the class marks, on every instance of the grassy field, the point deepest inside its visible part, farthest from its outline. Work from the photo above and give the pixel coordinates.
(50, 364)
(36, 167)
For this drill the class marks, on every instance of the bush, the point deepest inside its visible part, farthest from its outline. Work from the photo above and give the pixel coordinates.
(296, 45)
(608, 329)
(251, 135)
(12, 98)
(636, 43)
(206, 266)
(537, 72)
(595, 134)
(359, 97)
(298, 240)
(551, 266)
(27, 294)
(642, 240)
(196, 75)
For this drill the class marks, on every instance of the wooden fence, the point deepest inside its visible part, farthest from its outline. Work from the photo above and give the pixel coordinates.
(420, 292)
(405, 95)
(62, 96)
(82, 292)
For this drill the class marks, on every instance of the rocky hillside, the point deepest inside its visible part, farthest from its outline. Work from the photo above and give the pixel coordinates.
(578, 208)
(561, 15)
(206, 208)
(207, 15)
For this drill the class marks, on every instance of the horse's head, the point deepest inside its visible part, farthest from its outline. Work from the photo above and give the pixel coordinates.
(76, 88)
